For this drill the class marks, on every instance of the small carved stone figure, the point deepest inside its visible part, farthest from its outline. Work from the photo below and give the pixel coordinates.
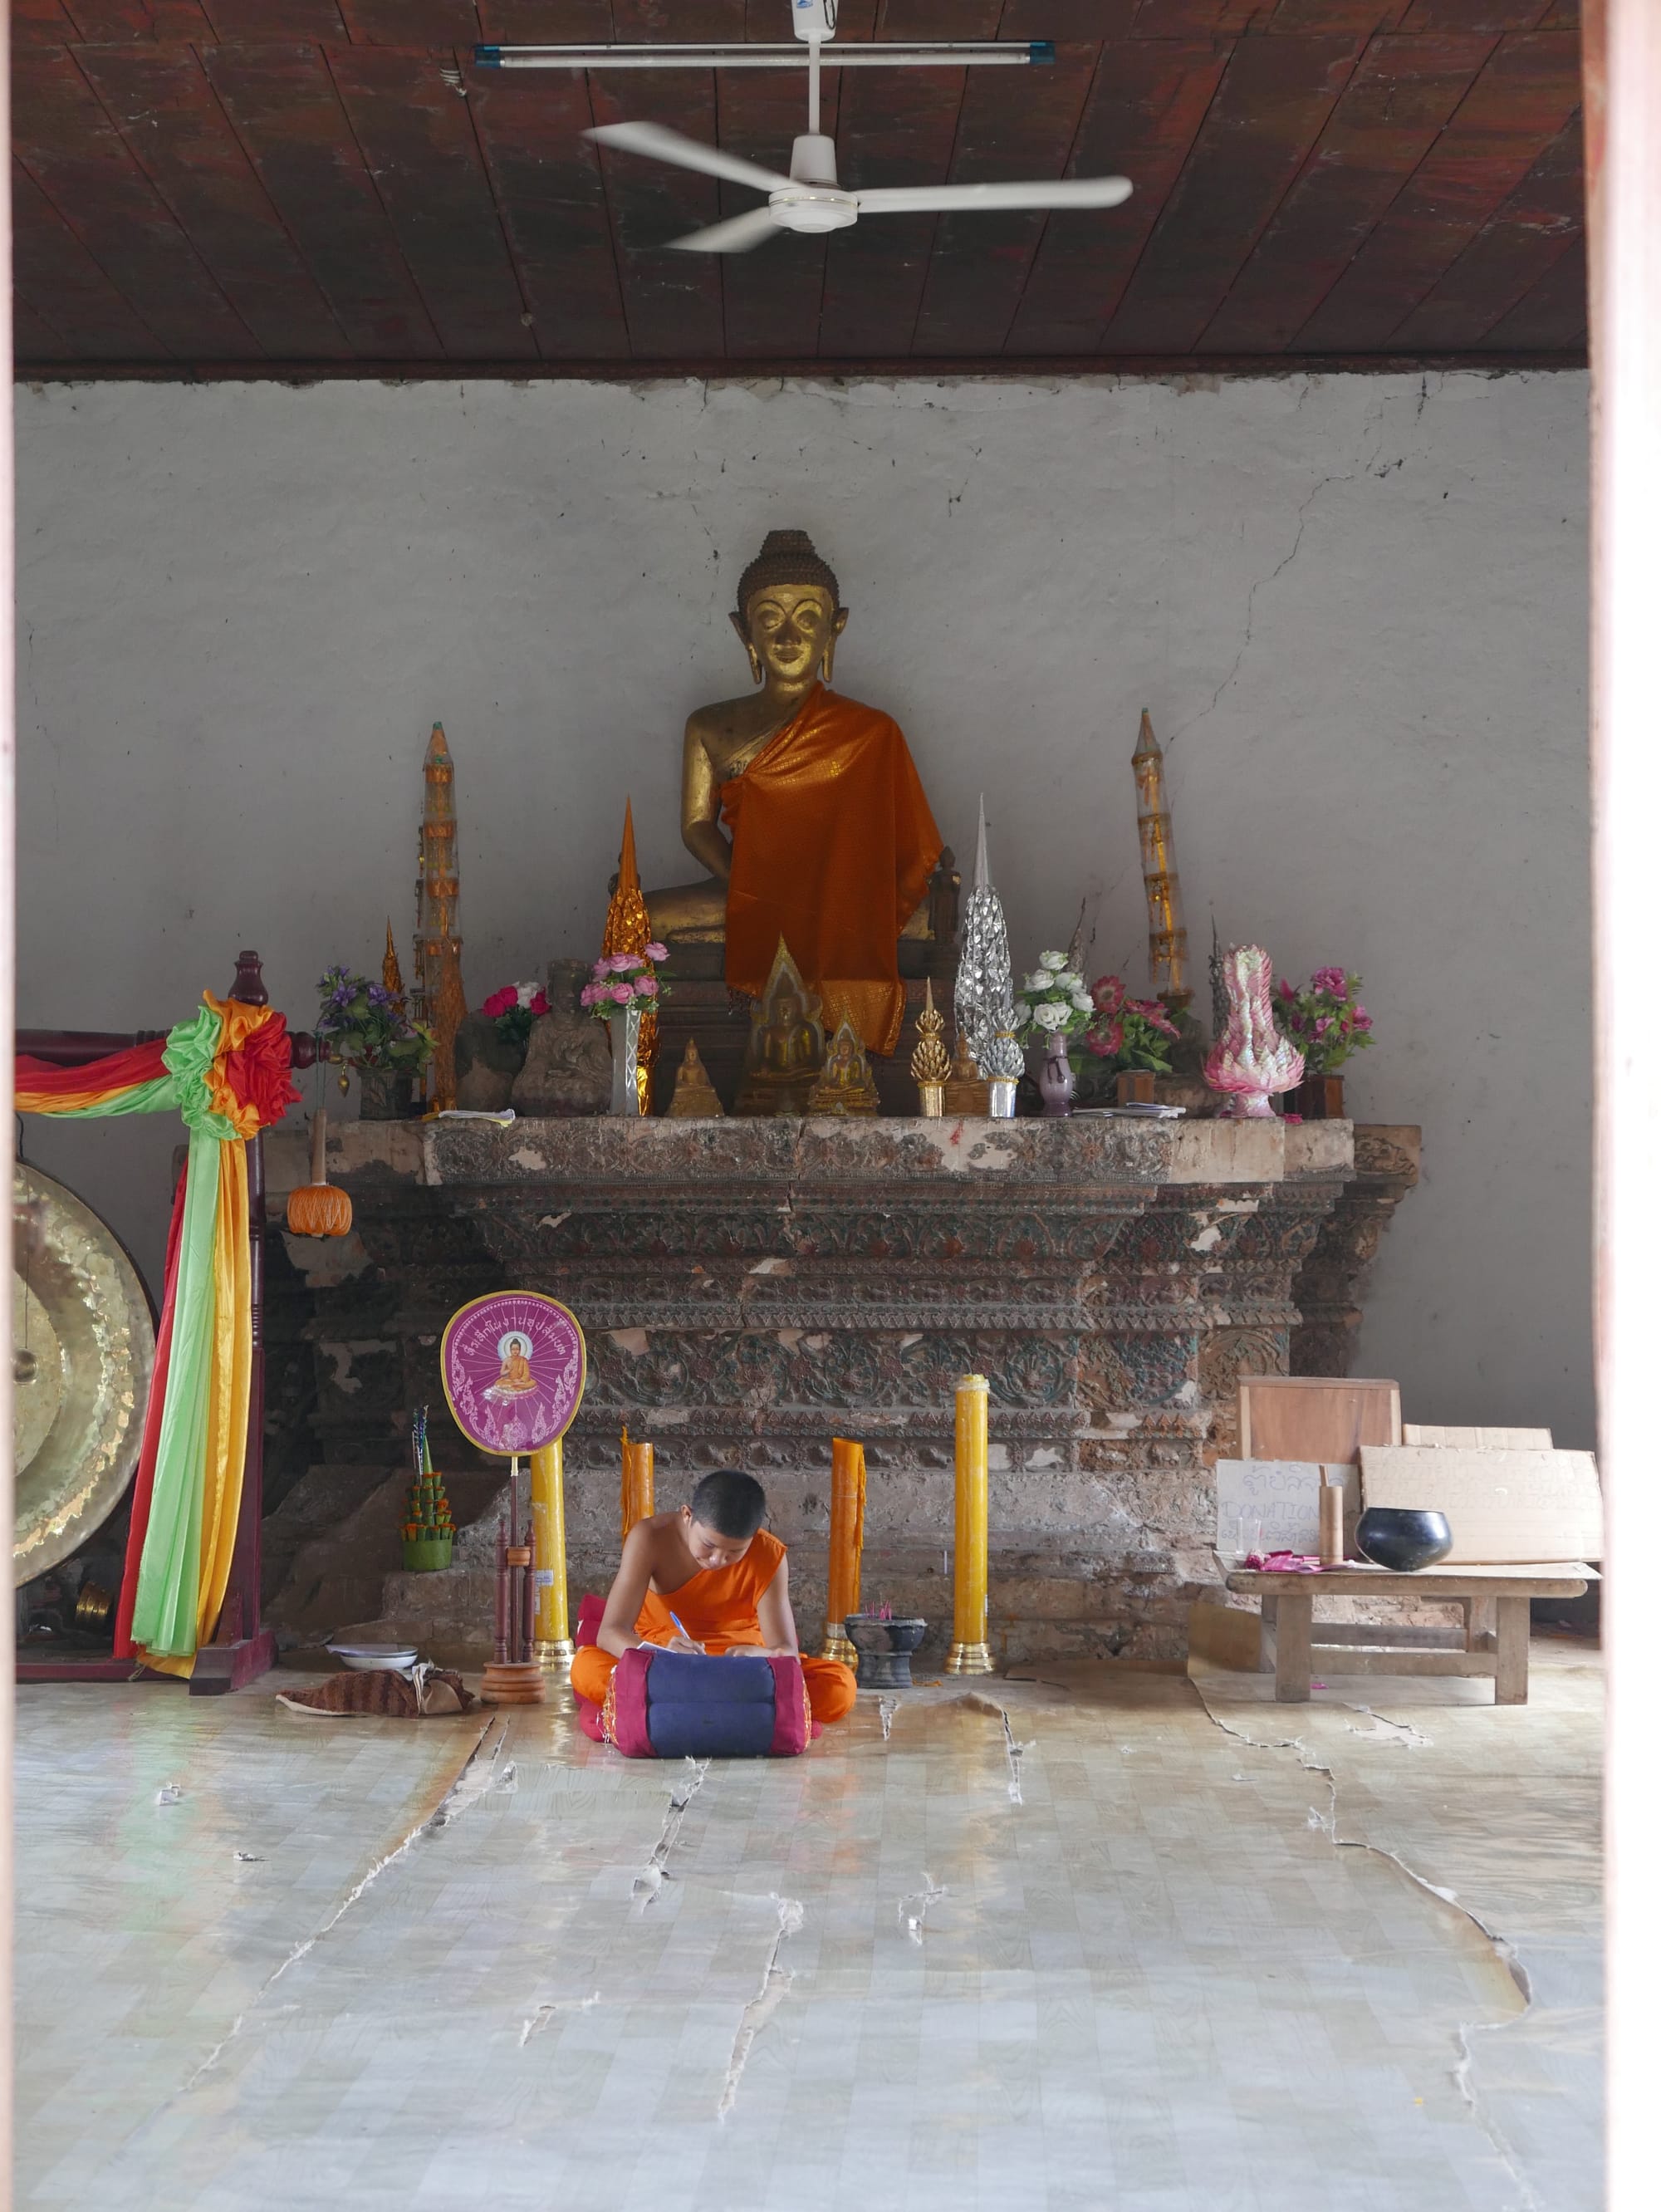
(695, 1099)
(786, 1043)
(567, 1068)
(487, 1065)
(846, 1087)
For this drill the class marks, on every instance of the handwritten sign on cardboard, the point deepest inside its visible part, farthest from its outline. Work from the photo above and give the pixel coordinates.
(1504, 1508)
(1274, 1504)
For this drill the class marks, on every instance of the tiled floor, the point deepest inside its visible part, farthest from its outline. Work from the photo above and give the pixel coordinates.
(446, 1965)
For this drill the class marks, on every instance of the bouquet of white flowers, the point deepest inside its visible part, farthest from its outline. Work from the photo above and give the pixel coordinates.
(1053, 1001)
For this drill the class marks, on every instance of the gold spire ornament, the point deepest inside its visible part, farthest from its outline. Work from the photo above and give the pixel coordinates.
(1167, 939)
(440, 1002)
(929, 1065)
(628, 929)
(391, 974)
(695, 1099)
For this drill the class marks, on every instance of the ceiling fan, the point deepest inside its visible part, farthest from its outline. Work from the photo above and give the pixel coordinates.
(810, 199)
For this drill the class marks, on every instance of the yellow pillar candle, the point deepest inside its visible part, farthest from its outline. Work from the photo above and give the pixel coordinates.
(637, 1491)
(552, 1622)
(969, 1654)
(847, 1542)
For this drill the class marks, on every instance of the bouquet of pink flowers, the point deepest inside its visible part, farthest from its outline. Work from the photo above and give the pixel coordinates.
(1130, 1033)
(623, 979)
(513, 1009)
(1326, 1020)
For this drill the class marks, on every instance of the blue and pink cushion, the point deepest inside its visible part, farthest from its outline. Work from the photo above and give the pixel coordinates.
(680, 1705)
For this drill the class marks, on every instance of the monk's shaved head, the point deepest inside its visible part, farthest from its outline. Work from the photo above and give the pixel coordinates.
(731, 1504)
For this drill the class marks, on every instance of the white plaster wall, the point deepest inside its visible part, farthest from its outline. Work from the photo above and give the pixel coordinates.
(1354, 606)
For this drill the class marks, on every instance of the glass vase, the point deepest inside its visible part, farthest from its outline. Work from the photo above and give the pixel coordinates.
(625, 1027)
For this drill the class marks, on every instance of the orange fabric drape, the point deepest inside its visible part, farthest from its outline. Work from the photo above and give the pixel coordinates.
(637, 1483)
(847, 1529)
(832, 847)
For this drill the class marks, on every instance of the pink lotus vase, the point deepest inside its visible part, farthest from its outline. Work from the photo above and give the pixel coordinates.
(1252, 1062)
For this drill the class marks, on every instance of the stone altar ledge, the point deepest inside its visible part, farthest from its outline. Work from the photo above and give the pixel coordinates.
(750, 1289)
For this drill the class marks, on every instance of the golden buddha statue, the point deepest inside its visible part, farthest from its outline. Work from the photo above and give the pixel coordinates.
(695, 1098)
(845, 1085)
(786, 1043)
(966, 1090)
(832, 843)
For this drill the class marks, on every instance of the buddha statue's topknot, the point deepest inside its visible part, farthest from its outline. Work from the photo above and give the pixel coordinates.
(787, 556)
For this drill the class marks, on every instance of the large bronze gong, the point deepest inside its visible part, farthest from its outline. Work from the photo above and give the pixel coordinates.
(83, 1343)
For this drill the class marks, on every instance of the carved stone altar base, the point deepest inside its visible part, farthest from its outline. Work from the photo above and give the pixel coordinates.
(750, 1289)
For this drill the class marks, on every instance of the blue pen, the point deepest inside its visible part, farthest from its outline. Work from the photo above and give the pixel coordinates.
(681, 1625)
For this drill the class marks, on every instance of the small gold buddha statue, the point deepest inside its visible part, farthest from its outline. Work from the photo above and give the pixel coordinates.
(929, 1065)
(787, 1048)
(846, 1087)
(695, 1099)
(788, 770)
(966, 1090)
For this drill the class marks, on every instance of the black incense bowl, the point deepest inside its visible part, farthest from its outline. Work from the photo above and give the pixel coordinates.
(885, 1649)
(1403, 1538)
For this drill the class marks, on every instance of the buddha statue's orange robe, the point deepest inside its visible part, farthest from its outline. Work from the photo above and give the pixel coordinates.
(718, 1607)
(832, 847)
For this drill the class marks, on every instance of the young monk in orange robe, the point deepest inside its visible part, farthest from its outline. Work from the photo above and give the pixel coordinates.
(714, 1565)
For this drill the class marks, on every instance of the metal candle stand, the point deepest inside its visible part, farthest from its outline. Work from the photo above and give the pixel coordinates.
(514, 1676)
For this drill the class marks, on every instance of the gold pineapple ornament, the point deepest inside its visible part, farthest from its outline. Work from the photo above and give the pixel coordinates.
(930, 1064)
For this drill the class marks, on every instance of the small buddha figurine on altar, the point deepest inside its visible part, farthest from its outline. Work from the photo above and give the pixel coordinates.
(786, 1043)
(695, 1099)
(966, 1090)
(832, 843)
(846, 1087)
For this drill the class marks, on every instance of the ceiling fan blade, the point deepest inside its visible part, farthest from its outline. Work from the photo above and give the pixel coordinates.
(959, 199)
(737, 236)
(661, 145)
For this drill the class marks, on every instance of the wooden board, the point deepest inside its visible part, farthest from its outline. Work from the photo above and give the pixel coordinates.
(1504, 1507)
(1432, 1437)
(1316, 1417)
(1281, 1496)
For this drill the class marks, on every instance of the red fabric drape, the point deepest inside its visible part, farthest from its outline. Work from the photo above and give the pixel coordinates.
(119, 1071)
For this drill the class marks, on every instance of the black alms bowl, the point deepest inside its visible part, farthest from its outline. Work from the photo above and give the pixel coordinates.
(1403, 1538)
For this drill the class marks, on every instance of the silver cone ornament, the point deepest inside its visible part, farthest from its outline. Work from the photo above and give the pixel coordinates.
(983, 999)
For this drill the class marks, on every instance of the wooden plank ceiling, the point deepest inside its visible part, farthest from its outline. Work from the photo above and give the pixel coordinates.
(228, 187)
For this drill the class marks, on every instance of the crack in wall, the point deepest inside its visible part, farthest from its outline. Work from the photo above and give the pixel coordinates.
(775, 1987)
(654, 1874)
(1504, 1950)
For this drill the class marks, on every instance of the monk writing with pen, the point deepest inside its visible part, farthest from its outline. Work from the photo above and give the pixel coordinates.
(708, 1577)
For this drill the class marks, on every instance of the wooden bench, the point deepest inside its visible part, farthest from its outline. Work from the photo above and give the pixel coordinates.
(1291, 1644)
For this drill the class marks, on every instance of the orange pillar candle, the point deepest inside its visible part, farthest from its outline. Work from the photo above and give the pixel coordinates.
(847, 1542)
(553, 1647)
(969, 1654)
(637, 1494)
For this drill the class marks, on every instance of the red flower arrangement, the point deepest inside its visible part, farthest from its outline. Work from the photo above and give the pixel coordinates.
(513, 1009)
(1131, 1033)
